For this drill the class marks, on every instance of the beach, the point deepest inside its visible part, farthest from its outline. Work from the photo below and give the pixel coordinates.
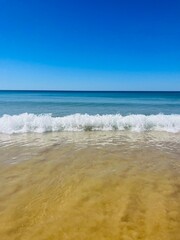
(90, 185)
(89, 165)
(90, 120)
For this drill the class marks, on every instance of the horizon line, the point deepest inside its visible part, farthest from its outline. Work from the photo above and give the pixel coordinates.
(46, 90)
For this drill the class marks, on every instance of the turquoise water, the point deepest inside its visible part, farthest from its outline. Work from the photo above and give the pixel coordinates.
(66, 103)
(38, 111)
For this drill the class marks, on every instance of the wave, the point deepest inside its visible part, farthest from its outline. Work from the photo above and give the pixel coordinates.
(25, 123)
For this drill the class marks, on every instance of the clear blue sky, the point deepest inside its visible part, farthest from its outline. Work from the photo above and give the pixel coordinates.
(90, 44)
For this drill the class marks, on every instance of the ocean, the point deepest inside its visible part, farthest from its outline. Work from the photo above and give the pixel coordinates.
(89, 165)
(44, 111)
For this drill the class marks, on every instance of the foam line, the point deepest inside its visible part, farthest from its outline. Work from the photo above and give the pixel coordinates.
(25, 123)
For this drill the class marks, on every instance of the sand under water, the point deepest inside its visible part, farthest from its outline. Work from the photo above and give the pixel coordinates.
(90, 185)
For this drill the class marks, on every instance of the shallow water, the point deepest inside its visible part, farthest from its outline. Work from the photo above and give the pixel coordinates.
(90, 185)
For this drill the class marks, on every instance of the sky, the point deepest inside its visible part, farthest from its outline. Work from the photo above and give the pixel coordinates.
(90, 44)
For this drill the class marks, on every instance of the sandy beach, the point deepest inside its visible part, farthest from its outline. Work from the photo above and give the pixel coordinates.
(90, 185)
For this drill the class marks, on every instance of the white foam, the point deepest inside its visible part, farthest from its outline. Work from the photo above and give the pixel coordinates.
(25, 123)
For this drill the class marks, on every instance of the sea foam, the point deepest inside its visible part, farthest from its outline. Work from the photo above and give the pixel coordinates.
(25, 123)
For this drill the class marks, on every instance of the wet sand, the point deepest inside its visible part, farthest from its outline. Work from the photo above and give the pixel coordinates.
(88, 186)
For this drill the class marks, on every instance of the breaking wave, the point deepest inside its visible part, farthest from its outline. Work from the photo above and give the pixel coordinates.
(25, 123)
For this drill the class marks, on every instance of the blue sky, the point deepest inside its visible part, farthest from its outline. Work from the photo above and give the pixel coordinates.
(90, 45)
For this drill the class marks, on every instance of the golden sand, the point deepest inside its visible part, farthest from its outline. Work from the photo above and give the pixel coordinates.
(121, 190)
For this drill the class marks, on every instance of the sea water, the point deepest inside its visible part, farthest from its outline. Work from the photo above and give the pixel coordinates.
(44, 111)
